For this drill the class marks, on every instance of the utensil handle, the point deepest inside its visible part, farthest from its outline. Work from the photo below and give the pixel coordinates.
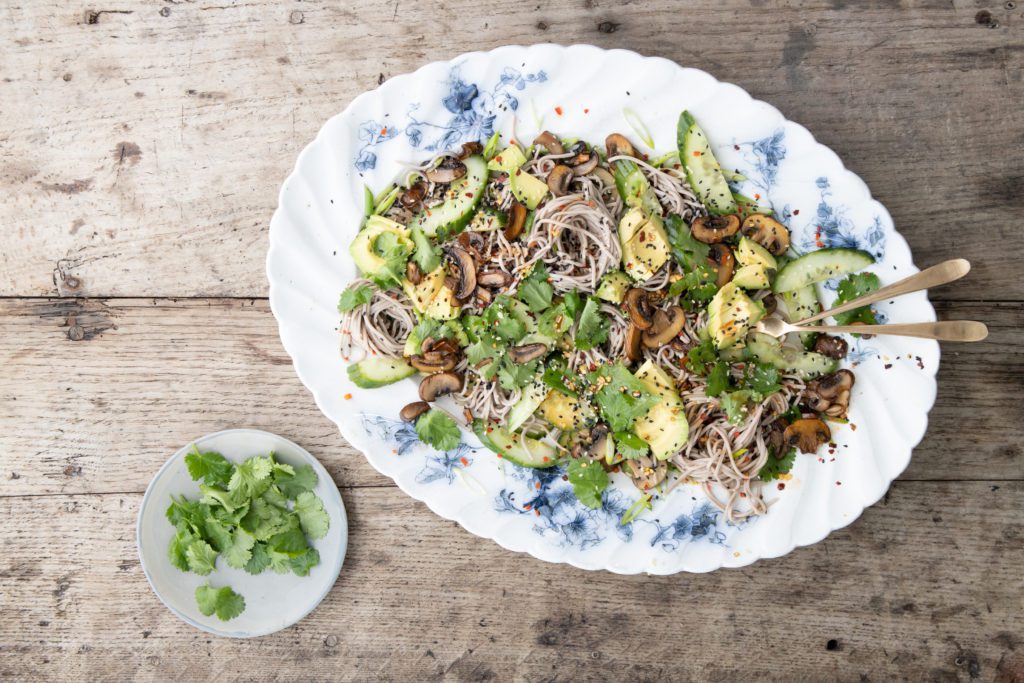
(943, 330)
(939, 274)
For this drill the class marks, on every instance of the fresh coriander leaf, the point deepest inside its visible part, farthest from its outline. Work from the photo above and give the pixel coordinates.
(535, 291)
(853, 286)
(281, 467)
(312, 517)
(201, 557)
(259, 560)
(226, 603)
(239, 551)
(438, 430)
(734, 403)
(178, 547)
(688, 251)
(554, 322)
(229, 517)
(636, 509)
(252, 477)
(621, 397)
(630, 445)
(696, 287)
(354, 297)
(218, 497)
(291, 485)
(301, 564)
(291, 542)
(280, 563)
(515, 376)
(774, 467)
(718, 379)
(482, 349)
(184, 513)
(792, 414)
(216, 534)
(502, 322)
(555, 378)
(394, 255)
(573, 304)
(700, 357)
(593, 328)
(274, 496)
(427, 256)
(212, 468)
(264, 520)
(761, 379)
(589, 480)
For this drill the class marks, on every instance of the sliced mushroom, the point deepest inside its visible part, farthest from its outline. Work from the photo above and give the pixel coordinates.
(806, 434)
(775, 437)
(720, 256)
(833, 347)
(439, 384)
(666, 327)
(443, 345)
(466, 268)
(634, 342)
(470, 148)
(714, 229)
(433, 361)
(646, 472)
(414, 195)
(516, 221)
(413, 273)
(584, 159)
(617, 145)
(474, 243)
(413, 411)
(641, 314)
(527, 352)
(768, 232)
(606, 178)
(448, 170)
(830, 394)
(770, 303)
(483, 296)
(428, 344)
(493, 277)
(559, 180)
(548, 141)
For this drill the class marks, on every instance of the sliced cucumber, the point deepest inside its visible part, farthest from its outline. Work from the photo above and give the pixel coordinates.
(802, 303)
(463, 197)
(371, 373)
(514, 447)
(634, 189)
(527, 405)
(820, 265)
(702, 169)
(768, 349)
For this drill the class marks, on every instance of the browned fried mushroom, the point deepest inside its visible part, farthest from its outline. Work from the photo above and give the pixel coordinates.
(559, 180)
(584, 159)
(448, 170)
(470, 148)
(483, 296)
(639, 308)
(516, 220)
(770, 303)
(665, 328)
(474, 243)
(414, 195)
(713, 229)
(526, 353)
(830, 394)
(634, 342)
(446, 345)
(413, 411)
(806, 434)
(433, 361)
(466, 268)
(775, 437)
(413, 273)
(833, 347)
(646, 472)
(617, 145)
(768, 232)
(720, 256)
(493, 277)
(606, 178)
(439, 384)
(548, 141)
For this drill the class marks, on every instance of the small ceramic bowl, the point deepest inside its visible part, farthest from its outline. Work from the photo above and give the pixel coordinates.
(272, 601)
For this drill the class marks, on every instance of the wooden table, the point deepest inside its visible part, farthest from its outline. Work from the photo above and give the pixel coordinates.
(141, 148)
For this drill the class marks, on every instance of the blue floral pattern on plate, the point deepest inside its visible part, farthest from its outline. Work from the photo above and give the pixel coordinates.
(472, 110)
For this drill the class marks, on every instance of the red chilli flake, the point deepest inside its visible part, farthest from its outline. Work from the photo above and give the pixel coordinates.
(527, 507)
(796, 212)
(384, 130)
(537, 485)
(839, 483)
(465, 463)
(585, 110)
(696, 153)
(469, 194)
(757, 196)
(558, 110)
(348, 397)
(781, 486)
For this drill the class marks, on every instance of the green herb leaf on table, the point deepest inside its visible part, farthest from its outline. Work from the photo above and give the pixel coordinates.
(291, 541)
(226, 603)
(589, 480)
(853, 286)
(251, 477)
(438, 430)
(239, 551)
(353, 297)
(774, 467)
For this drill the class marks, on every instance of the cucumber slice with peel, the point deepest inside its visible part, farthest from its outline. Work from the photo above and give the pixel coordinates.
(820, 265)
(703, 171)
(461, 201)
(767, 349)
(516, 448)
(372, 373)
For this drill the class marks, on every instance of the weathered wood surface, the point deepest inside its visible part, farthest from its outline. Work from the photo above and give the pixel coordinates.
(143, 143)
(419, 599)
(141, 148)
(101, 414)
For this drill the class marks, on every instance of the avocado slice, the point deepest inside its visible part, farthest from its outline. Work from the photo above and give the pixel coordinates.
(748, 252)
(428, 288)
(507, 160)
(664, 427)
(363, 247)
(751, 276)
(613, 287)
(443, 306)
(647, 250)
(527, 189)
(730, 314)
(565, 412)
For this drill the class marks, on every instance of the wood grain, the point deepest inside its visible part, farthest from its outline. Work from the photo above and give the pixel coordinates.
(925, 586)
(143, 145)
(102, 413)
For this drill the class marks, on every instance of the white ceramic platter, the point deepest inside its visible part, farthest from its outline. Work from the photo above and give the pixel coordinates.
(586, 92)
(272, 601)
